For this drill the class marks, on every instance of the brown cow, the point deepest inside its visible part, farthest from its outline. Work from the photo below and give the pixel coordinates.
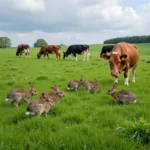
(23, 48)
(46, 49)
(123, 57)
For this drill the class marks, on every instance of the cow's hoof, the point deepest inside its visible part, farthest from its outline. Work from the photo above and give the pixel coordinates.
(126, 84)
(116, 82)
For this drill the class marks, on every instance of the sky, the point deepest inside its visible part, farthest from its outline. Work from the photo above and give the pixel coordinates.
(72, 21)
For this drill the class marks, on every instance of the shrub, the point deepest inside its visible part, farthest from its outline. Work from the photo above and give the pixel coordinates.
(138, 131)
(42, 77)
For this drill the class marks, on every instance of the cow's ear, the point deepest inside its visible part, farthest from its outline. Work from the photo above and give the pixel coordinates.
(105, 56)
(123, 57)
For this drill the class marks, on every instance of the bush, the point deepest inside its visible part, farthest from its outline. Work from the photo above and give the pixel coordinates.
(138, 131)
(42, 77)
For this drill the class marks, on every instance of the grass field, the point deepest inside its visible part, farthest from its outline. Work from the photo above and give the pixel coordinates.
(81, 120)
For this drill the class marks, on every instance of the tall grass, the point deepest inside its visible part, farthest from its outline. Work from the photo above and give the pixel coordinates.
(80, 120)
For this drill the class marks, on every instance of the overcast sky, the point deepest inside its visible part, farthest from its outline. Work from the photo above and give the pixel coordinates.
(73, 21)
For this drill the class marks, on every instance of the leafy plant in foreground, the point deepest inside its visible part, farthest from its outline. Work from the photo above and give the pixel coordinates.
(138, 131)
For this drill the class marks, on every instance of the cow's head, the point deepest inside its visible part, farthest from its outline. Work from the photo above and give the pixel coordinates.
(101, 55)
(38, 55)
(64, 55)
(116, 62)
(17, 53)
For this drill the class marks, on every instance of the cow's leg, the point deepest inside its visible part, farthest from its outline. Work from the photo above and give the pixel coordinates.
(57, 55)
(116, 80)
(74, 54)
(85, 55)
(133, 74)
(47, 55)
(126, 75)
(21, 54)
(28, 52)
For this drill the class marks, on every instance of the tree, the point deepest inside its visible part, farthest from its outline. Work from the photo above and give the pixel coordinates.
(40, 42)
(5, 42)
(129, 39)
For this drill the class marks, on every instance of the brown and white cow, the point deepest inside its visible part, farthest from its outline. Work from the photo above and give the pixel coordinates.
(49, 49)
(23, 48)
(124, 57)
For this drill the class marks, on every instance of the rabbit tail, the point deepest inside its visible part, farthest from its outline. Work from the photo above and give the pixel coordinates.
(7, 99)
(29, 113)
(69, 86)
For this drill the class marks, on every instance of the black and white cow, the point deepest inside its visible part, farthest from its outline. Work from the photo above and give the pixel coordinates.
(106, 49)
(77, 49)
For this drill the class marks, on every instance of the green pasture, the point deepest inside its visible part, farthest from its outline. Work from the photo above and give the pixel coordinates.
(80, 120)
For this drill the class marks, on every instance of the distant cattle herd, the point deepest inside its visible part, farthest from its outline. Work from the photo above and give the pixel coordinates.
(122, 57)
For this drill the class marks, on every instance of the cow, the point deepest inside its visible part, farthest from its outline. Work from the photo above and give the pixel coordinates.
(77, 49)
(124, 57)
(106, 49)
(49, 49)
(23, 48)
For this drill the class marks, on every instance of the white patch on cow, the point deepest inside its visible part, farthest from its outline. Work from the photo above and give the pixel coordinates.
(59, 51)
(27, 51)
(116, 80)
(134, 101)
(114, 53)
(126, 81)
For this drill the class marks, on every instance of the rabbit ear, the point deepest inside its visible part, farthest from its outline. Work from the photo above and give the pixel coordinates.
(45, 96)
(115, 85)
(95, 80)
(31, 85)
(81, 78)
(54, 87)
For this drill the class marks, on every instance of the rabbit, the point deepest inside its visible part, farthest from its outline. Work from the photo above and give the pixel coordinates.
(16, 95)
(122, 96)
(56, 94)
(92, 86)
(40, 106)
(75, 84)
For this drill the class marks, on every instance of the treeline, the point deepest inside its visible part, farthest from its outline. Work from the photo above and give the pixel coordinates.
(129, 39)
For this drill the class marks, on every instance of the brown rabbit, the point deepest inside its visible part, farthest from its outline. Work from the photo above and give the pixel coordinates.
(40, 106)
(121, 96)
(92, 86)
(75, 84)
(16, 95)
(56, 94)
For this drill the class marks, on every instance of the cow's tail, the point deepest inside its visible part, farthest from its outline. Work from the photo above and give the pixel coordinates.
(57, 49)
